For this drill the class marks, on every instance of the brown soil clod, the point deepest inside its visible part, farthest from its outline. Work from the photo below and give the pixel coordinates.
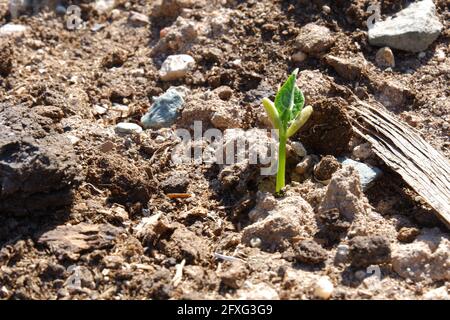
(328, 131)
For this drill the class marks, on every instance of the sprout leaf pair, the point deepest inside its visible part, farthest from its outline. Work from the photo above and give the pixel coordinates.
(287, 116)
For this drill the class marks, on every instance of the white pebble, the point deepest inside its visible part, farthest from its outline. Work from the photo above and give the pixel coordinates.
(99, 109)
(255, 242)
(437, 294)
(125, 127)
(440, 55)
(326, 9)
(299, 56)
(11, 29)
(115, 14)
(176, 67)
(323, 288)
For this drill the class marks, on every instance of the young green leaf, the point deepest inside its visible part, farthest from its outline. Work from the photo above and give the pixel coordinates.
(287, 115)
(299, 102)
(272, 112)
(285, 99)
(301, 119)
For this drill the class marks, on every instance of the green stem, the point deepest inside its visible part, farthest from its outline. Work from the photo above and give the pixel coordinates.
(281, 162)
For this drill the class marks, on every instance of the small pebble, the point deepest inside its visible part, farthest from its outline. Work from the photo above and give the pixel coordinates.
(421, 55)
(255, 242)
(73, 140)
(11, 29)
(385, 58)
(440, 55)
(176, 67)
(299, 149)
(342, 253)
(367, 174)
(323, 288)
(60, 9)
(299, 56)
(138, 19)
(125, 127)
(326, 9)
(115, 14)
(440, 293)
(99, 109)
(363, 151)
(307, 164)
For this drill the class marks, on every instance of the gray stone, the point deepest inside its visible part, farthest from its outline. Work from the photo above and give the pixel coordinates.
(412, 29)
(127, 128)
(367, 174)
(164, 110)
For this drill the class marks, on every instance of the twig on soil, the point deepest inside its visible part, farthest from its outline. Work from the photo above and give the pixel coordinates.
(178, 195)
(178, 273)
(227, 258)
(93, 187)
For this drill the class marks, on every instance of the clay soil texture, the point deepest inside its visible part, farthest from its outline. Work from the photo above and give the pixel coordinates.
(88, 213)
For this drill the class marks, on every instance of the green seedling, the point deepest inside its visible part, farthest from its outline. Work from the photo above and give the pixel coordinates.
(287, 116)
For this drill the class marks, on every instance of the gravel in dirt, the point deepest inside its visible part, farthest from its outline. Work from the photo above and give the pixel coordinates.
(85, 212)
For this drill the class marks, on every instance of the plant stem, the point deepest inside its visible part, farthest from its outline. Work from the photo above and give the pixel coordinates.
(281, 162)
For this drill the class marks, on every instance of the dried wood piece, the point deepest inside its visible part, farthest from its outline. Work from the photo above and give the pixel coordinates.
(70, 241)
(421, 166)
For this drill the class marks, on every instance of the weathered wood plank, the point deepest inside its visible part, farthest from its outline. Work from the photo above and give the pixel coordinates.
(401, 147)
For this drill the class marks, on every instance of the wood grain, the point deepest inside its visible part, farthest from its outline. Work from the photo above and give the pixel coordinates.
(401, 147)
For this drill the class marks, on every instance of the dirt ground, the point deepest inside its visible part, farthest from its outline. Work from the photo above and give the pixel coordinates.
(85, 212)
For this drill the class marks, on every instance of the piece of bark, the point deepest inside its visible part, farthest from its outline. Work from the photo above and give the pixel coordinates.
(421, 166)
(71, 241)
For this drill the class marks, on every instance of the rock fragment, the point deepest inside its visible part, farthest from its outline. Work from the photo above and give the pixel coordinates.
(313, 38)
(412, 29)
(164, 109)
(138, 19)
(278, 221)
(323, 288)
(347, 68)
(258, 291)
(428, 257)
(12, 30)
(176, 67)
(344, 194)
(368, 174)
(385, 58)
(127, 128)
